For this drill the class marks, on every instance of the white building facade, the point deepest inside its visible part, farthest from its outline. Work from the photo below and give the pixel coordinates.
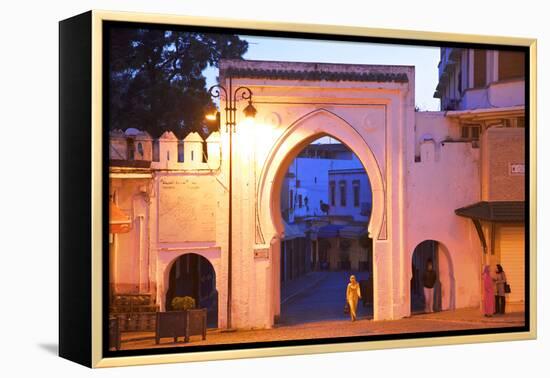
(307, 182)
(484, 92)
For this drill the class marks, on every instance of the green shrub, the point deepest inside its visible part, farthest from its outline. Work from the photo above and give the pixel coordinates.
(183, 303)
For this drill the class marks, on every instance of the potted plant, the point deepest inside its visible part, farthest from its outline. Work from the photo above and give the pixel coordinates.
(183, 303)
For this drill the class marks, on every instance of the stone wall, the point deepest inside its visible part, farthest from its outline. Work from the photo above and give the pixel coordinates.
(503, 162)
(443, 177)
(163, 153)
(169, 211)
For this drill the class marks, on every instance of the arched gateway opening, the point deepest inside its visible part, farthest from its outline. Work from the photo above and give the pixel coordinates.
(326, 203)
(443, 294)
(194, 276)
(313, 126)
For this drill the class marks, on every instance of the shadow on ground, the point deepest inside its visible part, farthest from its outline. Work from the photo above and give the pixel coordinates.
(52, 348)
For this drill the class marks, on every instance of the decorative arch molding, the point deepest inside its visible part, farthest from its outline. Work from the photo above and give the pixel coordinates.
(309, 127)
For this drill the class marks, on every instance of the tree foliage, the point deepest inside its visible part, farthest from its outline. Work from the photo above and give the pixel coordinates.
(157, 81)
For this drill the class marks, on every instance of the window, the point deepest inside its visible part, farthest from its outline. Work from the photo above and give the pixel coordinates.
(192, 156)
(475, 132)
(342, 193)
(291, 199)
(140, 150)
(459, 83)
(480, 68)
(470, 132)
(356, 193)
(300, 200)
(465, 132)
(452, 86)
(520, 122)
(332, 193)
(511, 65)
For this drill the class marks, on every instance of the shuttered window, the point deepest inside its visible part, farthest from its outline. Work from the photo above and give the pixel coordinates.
(512, 259)
(480, 68)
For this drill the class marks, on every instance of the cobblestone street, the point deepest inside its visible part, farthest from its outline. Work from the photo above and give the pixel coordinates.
(463, 319)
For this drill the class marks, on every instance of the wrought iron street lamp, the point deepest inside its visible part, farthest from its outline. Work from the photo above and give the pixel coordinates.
(232, 96)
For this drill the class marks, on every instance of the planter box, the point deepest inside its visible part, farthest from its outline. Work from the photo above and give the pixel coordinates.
(181, 324)
(114, 333)
(129, 322)
(196, 323)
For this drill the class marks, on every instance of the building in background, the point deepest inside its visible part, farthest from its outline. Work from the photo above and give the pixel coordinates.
(480, 79)
(483, 91)
(307, 180)
(325, 201)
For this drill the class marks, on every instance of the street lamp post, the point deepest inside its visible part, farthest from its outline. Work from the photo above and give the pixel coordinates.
(231, 98)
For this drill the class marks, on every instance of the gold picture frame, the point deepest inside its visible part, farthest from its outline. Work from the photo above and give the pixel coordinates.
(93, 25)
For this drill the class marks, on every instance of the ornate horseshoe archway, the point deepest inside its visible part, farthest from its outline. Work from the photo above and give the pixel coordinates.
(303, 131)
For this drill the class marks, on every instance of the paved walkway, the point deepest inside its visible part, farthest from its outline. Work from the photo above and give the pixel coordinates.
(462, 319)
(290, 289)
(318, 296)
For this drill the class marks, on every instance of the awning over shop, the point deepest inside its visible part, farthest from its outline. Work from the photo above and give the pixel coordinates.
(119, 222)
(486, 114)
(330, 231)
(494, 211)
(352, 232)
(293, 231)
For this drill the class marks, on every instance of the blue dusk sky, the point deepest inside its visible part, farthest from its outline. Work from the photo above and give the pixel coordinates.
(424, 59)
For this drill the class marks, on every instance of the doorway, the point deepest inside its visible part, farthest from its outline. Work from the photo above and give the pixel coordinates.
(325, 204)
(194, 276)
(444, 289)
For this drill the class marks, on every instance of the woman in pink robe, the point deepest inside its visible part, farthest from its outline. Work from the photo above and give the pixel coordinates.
(488, 292)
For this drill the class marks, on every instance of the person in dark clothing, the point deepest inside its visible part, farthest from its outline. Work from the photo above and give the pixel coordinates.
(500, 293)
(428, 280)
(363, 286)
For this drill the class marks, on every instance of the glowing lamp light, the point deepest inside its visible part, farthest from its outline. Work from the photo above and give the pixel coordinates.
(211, 116)
(250, 111)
